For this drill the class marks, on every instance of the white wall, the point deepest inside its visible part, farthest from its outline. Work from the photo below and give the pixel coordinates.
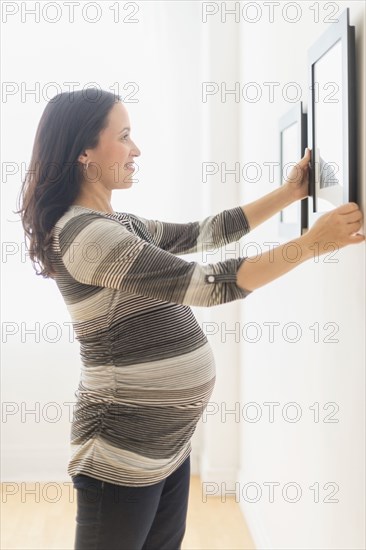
(41, 372)
(305, 372)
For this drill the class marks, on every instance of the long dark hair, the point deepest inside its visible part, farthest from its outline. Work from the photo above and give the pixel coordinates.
(71, 122)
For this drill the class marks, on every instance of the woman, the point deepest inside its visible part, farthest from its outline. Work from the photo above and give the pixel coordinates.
(147, 368)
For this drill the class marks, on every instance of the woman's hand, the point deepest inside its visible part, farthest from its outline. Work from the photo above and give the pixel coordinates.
(297, 181)
(337, 227)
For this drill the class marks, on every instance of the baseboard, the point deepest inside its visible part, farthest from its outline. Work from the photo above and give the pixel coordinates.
(209, 474)
(37, 464)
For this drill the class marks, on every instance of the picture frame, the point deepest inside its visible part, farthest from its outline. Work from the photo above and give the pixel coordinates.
(292, 127)
(332, 118)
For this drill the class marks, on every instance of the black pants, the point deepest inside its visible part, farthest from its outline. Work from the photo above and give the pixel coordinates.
(118, 517)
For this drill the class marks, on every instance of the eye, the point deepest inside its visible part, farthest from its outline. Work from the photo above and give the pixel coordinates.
(125, 137)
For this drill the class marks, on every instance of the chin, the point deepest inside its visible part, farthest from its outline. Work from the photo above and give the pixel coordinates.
(127, 182)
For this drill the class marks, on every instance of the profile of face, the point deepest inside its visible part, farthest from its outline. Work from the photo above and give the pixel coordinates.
(109, 161)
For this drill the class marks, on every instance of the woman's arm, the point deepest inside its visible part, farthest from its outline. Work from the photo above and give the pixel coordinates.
(261, 209)
(101, 252)
(295, 187)
(198, 236)
(232, 224)
(336, 228)
(263, 268)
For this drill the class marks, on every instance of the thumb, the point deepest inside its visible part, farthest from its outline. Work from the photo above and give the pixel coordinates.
(358, 238)
(305, 160)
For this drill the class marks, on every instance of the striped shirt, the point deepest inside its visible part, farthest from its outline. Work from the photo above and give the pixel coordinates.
(147, 369)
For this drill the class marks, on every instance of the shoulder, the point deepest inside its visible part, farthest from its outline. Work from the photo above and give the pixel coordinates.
(82, 225)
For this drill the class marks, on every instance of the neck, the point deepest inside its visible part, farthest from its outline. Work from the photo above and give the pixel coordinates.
(99, 205)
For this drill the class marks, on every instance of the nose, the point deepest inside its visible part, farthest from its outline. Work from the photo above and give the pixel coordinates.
(136, 151)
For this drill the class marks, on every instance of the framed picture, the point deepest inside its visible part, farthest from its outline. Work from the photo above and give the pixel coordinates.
(292, 143)
(332, 130)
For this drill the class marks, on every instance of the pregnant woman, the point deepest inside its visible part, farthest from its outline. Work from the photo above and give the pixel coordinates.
(147, 370)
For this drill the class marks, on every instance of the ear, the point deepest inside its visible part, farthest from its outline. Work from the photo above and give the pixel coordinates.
(83, 158)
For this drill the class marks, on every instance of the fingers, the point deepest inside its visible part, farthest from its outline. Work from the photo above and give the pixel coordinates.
(352, 217)
(354, 239)
(306, 157)
(347, 208)
(353, 227)
(355, 216)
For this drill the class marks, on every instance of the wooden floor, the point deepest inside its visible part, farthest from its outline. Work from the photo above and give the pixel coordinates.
(46, 519)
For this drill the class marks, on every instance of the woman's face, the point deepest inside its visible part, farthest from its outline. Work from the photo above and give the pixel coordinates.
(115, 149)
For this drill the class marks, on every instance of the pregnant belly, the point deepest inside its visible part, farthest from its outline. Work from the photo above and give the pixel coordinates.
(181, 379)
(151, 408)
